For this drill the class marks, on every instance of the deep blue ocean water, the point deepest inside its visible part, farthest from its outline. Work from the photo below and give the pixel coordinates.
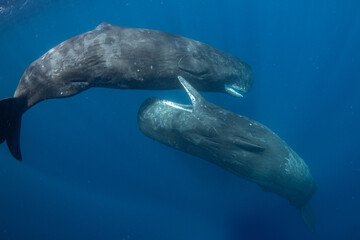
(89, 173)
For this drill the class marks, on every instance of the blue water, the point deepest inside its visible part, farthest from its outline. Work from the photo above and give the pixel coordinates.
(89, 173)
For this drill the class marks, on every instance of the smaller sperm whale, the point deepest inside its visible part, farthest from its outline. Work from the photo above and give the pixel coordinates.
(123, 58)
(234, 142)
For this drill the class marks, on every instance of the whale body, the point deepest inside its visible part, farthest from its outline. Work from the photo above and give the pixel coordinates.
(236, 143)
(123, 58)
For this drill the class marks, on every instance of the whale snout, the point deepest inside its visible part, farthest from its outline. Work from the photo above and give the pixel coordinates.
(153, 115)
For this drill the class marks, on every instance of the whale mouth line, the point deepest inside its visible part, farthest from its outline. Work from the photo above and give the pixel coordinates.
(184, 107)
(234, 90)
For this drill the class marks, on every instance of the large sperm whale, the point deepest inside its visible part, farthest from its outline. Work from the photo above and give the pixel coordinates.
(123, 58)
(238, 144)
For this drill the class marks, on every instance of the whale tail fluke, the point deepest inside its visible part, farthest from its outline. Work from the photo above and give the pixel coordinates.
(11, 110)
(308, 217)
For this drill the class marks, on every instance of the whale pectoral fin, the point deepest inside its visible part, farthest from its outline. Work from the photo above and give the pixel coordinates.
(194, 66)
(308, 217)
(247, 145)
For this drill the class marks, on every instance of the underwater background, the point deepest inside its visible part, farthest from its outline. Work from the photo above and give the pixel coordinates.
(89, 173)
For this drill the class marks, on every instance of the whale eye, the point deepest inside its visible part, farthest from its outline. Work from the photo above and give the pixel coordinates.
(193, 65)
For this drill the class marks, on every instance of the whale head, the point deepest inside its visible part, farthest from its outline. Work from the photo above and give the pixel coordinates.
(217, 71)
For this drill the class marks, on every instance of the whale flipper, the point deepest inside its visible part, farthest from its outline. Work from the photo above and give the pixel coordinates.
(11, 110)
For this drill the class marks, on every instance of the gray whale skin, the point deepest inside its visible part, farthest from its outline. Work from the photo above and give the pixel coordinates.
(236, 143)
(123, 58)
